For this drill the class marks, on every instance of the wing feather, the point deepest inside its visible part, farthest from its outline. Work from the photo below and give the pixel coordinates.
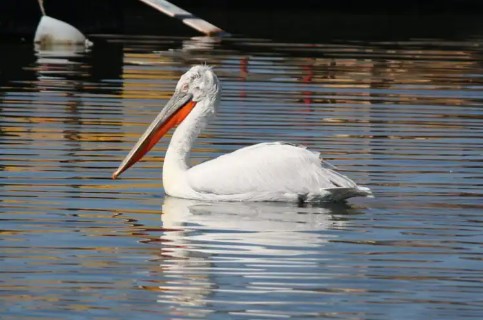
(266, 167)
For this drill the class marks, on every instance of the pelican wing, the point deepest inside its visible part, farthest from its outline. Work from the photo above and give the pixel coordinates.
(266, 167)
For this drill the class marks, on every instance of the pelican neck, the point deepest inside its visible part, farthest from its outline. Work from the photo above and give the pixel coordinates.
(179, 149)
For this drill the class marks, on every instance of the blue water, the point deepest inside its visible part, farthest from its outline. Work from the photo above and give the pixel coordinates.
(402, 118)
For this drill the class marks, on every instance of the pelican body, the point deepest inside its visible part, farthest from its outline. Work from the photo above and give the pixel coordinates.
(275, 171)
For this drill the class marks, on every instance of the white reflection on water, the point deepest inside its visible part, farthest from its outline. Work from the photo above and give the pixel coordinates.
(265, 223)
(59, 53)
(240, 241)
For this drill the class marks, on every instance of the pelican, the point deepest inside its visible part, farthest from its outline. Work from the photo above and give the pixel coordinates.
(273, 171)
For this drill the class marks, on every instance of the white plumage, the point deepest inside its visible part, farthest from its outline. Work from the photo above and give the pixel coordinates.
(264, 172)
(269, 171)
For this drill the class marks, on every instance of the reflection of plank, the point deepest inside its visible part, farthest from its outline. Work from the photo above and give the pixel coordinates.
(185, 16)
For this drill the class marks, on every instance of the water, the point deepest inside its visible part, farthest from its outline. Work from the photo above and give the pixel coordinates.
(402, 118)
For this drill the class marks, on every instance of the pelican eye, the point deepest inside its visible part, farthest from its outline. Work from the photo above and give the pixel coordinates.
(185, 87)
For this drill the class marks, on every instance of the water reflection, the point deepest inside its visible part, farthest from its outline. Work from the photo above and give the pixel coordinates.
(202, 240)
(263, 222)
(200, 43)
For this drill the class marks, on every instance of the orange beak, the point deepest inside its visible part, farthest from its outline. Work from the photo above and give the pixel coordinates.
(175, 111)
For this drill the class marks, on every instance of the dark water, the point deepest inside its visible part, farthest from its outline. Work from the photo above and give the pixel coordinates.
(402, 118)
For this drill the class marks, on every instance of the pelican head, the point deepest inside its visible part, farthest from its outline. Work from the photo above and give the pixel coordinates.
(199, 81)
(197, 89)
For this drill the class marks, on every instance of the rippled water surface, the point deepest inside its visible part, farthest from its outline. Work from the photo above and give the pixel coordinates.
(402, 118)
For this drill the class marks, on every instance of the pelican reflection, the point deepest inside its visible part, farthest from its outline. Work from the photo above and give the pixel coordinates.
(212, 247)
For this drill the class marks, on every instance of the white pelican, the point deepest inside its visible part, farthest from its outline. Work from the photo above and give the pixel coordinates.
(274, 171)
